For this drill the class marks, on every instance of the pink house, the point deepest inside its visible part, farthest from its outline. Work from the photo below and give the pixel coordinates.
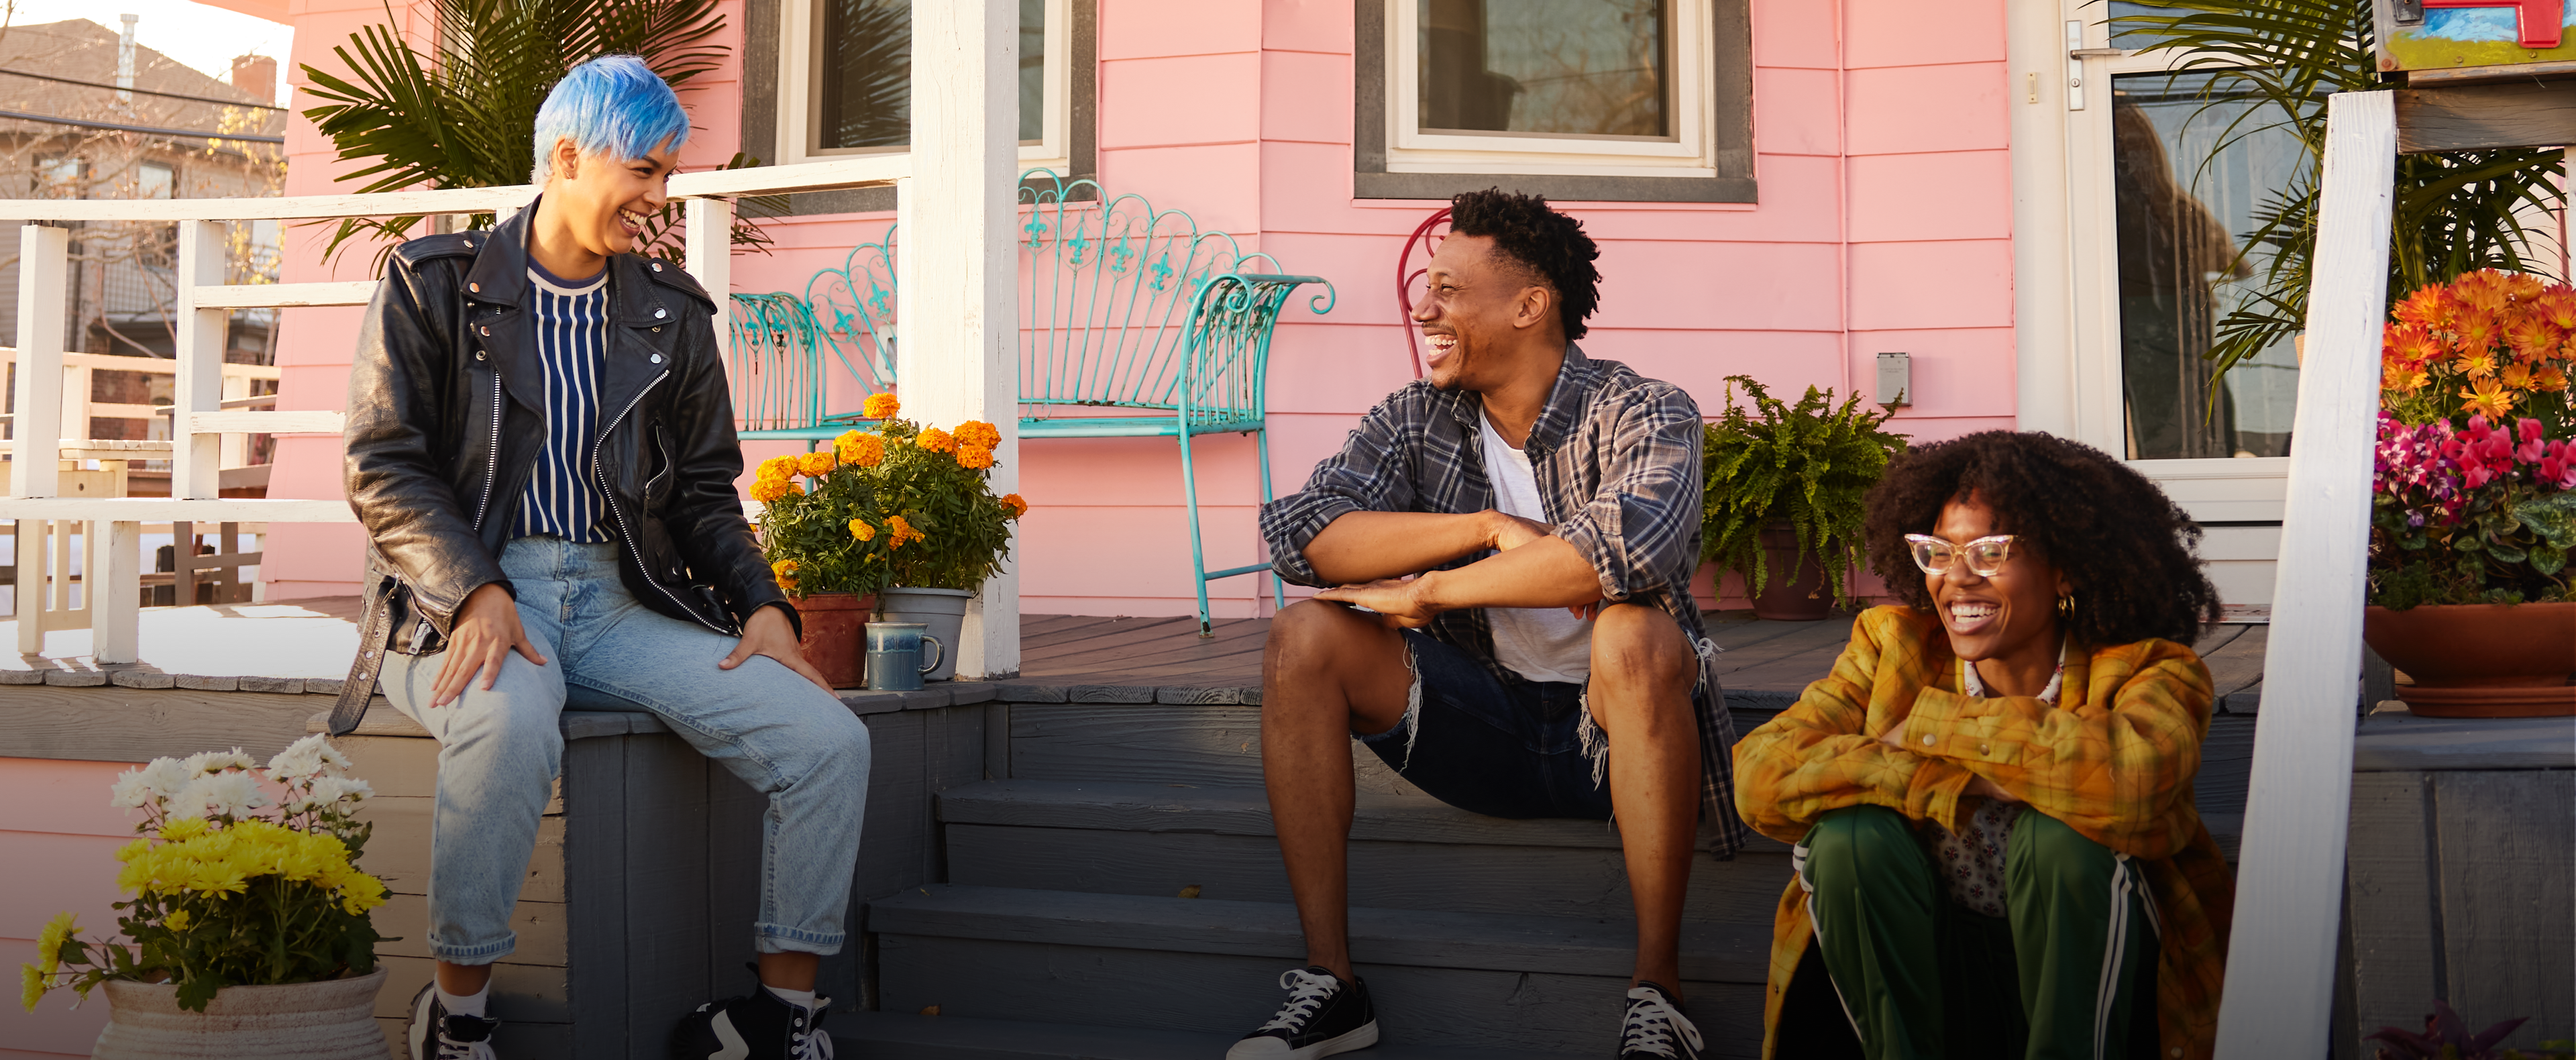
(1795, 189)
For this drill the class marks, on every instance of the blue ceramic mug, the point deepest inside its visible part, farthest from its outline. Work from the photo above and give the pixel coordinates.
(895, 656)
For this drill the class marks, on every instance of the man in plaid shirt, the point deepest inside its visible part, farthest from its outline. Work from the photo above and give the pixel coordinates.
(1509, 547)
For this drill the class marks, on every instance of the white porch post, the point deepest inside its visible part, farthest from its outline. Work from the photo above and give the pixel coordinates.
(44, 259)
(2279, 998)
(194, 468)
(709, 231)
(957, 270)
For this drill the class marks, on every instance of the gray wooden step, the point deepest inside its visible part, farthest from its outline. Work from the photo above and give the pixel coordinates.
(1407, 852)
(1211, 967)
(903, 1036)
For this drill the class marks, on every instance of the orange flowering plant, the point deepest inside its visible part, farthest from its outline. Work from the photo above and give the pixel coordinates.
(901, 506)
(2492, 344)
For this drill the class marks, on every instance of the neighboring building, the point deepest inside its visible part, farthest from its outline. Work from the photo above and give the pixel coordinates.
(1782, 188)
(95, 79)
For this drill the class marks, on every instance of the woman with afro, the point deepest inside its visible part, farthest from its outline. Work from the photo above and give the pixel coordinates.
(1991, 794)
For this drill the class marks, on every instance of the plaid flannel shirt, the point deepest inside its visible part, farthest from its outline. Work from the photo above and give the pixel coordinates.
(2114, 760)
(1617, 460)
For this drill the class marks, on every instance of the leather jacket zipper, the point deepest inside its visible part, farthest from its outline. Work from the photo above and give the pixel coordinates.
(492, 466)
(599, 472)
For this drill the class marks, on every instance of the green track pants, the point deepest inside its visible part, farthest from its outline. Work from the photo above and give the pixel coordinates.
(1923, 978)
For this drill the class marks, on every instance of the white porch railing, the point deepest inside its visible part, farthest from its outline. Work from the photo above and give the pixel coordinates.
(201, 424)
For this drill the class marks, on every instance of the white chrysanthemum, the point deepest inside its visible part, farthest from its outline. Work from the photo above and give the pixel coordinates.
(328, 790)
(303, 758)
(132, 790)
(165, 776)
(219, 795)
(204, 762)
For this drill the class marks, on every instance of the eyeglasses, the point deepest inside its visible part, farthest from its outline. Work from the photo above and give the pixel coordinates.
(1985, 555)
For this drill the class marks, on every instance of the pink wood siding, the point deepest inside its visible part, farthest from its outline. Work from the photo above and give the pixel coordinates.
(1885, 225)
(58, 853)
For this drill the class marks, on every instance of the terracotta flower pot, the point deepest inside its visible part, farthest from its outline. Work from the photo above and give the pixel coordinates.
(1803, 598)
(2480, 660)
(330, 1020)
(835, 625)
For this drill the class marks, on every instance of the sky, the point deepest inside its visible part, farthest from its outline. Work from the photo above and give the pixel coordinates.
(203, 37)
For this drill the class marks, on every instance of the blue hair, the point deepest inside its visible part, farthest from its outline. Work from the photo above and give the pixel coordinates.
(612, 105)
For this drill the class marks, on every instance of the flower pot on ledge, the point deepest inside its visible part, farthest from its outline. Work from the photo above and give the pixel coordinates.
(835, 624)
(329, 1020)
(1797, 591)
(2480, 660)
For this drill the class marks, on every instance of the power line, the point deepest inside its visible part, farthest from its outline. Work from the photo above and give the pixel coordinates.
(182, 134)
(142, 91)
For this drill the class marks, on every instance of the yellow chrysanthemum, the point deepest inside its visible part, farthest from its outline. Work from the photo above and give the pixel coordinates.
(880, 406)
(31, 986)
(979, 433)
(183, 828)
(179, 920)
(862, 450)
(860, 529)
(974, 457)
(934, 440)
(1017, 506)
(49, 942)
(815, 464)
(361, 893)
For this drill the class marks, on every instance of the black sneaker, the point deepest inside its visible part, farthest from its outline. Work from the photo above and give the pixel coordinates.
(757, 1026)
(1656, 1027)
(432, 1034)
(1323, 1016)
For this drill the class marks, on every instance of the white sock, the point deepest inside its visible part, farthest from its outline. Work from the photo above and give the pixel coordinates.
(466, 1004)
(800, 998)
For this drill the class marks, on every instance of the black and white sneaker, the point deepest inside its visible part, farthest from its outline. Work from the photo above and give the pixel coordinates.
(757, 1026)
(1323, 1016)
(432, 1034)
(1656, 1027)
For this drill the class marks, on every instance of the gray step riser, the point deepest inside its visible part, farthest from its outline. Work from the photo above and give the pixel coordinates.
(1219, 994)
(1589, 882)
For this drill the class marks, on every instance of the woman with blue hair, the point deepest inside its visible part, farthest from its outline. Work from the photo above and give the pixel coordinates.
(541, 449)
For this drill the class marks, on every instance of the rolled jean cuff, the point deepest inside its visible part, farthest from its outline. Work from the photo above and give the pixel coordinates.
(776, 938)
(483, 954)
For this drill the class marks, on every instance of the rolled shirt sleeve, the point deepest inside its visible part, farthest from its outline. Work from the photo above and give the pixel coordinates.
(1362, 477)
(1641, 528)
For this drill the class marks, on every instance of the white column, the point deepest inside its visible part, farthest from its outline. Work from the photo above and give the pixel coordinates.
(709, 231)
(44, 259)
(960, 358)
(2279, 997)
(195, 458)
(114, 586)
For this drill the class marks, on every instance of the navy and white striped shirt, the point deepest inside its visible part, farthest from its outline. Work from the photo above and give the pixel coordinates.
(572, 331)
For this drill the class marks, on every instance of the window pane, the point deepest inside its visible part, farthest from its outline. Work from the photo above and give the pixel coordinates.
(863, 87)
(1559, 67)
(2188, 189)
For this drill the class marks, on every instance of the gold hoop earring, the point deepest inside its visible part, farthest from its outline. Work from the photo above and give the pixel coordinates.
(2066, 606)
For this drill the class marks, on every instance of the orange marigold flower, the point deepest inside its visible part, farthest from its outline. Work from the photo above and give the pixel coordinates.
(768, 489)
(935, 440)
(979, 433)
(2487, 397)
(899, 530)
(783, 568)
(1017, 506)
(2426, 307)
(860, 529)
(880, 406)
(2477, 364)
(974, 457)
(864, 450)
(777, 468)
(816, 463)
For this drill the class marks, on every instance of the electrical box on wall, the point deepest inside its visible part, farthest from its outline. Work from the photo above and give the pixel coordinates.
(1895, 379)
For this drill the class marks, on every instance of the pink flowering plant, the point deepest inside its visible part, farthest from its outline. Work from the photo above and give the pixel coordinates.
(2474, 503)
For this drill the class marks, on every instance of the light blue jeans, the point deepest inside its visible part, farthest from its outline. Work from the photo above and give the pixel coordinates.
(500, 750)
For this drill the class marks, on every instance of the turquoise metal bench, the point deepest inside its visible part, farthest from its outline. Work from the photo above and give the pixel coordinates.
(1134, 324)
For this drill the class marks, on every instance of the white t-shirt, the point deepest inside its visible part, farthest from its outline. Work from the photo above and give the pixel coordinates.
(1538, 643)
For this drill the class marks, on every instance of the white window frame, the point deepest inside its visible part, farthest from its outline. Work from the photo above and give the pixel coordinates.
(800, 41)
(1689, 153)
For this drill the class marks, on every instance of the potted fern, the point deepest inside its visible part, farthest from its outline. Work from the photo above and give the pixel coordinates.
(1783, 503)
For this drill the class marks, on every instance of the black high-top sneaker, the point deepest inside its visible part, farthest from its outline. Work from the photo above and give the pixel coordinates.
(1656, 1027)
(1323, 1016)
(432, 1034)
(756, 1026)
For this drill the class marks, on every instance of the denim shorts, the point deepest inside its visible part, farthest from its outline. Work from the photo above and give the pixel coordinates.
(1487, 745)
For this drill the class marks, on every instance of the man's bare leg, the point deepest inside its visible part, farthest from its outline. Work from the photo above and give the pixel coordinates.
(1327, 671)
(1643, 671)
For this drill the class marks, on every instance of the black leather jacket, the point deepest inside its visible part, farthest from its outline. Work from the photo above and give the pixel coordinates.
(447, 413)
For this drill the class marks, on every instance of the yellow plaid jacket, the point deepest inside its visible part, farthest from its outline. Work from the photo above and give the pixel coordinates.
(2114, 760)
